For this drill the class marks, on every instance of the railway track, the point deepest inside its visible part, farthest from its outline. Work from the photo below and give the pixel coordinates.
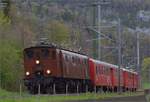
(139, 98)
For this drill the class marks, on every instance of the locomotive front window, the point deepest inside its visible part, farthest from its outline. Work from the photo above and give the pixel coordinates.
(29, 54)
(45, 53)
(53, 55)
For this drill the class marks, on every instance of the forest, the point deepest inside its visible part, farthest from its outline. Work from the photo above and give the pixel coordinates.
(63, 22)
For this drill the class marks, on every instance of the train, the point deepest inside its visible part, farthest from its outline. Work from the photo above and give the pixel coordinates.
(58, 70)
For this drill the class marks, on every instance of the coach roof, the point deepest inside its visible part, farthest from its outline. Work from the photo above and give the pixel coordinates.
(105, 63)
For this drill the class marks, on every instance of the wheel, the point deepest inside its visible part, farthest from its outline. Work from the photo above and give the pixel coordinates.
(33, 90)
(49, 90)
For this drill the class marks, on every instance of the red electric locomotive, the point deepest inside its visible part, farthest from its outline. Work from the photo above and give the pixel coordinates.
(49, 67)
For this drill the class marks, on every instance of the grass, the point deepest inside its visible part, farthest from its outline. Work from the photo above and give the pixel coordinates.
(146, 85)
(148, 98)
(15, 97)
(4, 93)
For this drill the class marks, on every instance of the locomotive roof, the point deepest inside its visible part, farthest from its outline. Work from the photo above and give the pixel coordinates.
(74, 54)
(41, 46)
(53, 46)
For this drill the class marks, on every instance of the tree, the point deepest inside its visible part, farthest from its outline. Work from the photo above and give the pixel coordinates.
(4, 20)
(10, 64)
(58, 32)
(146, 70)
(7, 7)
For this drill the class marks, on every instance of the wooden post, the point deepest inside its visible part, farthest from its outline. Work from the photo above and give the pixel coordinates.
(66, 88)
(77, 88)
(54, 89)
(86, 88)
(39, 89)
(95, 89)
(20, 89)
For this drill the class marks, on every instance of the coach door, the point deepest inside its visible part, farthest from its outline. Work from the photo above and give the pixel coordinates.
(60, 60)
(112, 76)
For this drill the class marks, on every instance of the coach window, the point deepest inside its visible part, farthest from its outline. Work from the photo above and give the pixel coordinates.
(53, 55)
(72, 59)
(103, 70)
(99, 71)
(29, 54)
(78, 60)
(84, 61)
(96, 70)
(81, 61)
(107, 70)
(66, 57)
(45, 53)
(130, 75)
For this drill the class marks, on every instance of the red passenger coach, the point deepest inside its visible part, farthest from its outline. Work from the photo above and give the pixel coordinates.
(103, 75)
(130, 80)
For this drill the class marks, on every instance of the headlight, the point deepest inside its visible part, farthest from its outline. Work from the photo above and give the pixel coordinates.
(48, 71)
(27, 73)
(37, 61)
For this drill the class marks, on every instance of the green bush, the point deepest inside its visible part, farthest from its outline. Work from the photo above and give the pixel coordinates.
(10, 64)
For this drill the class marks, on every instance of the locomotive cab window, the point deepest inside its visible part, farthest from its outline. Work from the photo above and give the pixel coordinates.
(53, 55)
(45, 53)
(29, 54)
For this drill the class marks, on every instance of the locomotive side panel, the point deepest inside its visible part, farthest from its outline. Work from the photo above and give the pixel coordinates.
(74, 65)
